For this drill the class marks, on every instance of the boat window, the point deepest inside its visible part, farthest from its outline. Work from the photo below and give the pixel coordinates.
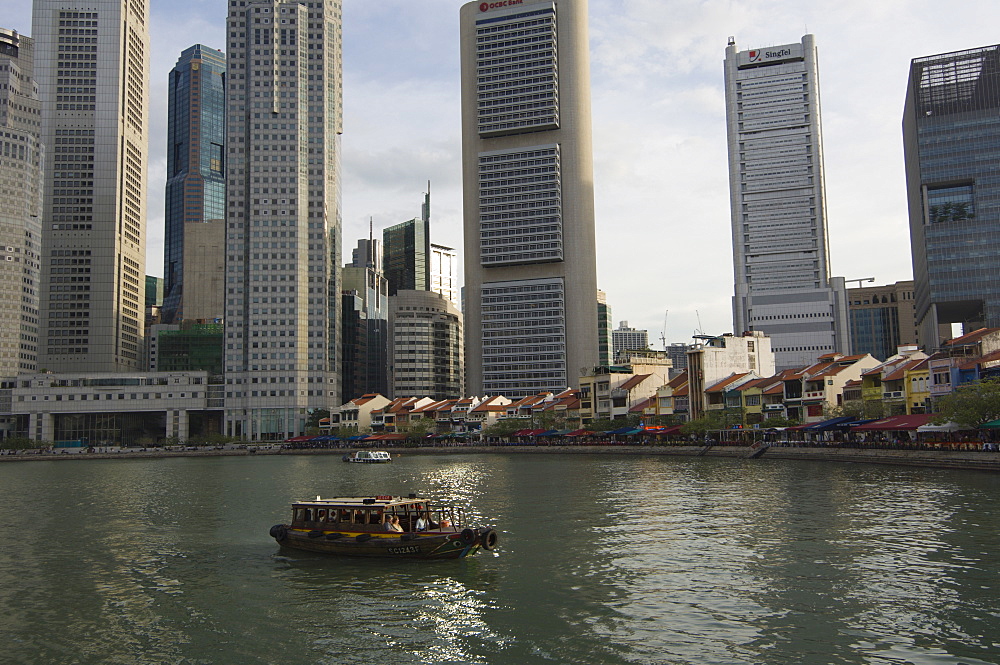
(321, 514)
(300, 514)
(375, 517)
(345, 516)
(332, 516)
(308, 516)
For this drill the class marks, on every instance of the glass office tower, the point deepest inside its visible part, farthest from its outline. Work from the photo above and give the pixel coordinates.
(196, 182)
(951, 141)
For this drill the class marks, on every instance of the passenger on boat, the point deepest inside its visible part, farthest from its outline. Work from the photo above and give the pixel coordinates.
(421, 524)
(394, 524)
(387, 525)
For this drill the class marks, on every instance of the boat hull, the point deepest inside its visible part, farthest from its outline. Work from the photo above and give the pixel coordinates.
(399, 546)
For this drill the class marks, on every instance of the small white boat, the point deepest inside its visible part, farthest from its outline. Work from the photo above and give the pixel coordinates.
(368, 457)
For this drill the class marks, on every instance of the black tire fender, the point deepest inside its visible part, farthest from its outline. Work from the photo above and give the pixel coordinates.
(363, 537)
(469, 536)
(279, 532)
(488, 539)
(315, 534)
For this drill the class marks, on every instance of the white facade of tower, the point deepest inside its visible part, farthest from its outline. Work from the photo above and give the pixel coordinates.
(92, 68)
(777, 196)
(530, 249)
(444, 272)
(284, 108)
(21, 163)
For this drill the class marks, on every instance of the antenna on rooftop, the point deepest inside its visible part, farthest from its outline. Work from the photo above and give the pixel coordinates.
(698, 331)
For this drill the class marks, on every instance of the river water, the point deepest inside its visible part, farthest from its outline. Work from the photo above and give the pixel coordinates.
(602, 559)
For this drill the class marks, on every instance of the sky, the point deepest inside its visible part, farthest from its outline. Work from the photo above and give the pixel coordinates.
(660, 164)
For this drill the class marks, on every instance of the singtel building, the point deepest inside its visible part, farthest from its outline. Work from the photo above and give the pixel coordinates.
(777, 198)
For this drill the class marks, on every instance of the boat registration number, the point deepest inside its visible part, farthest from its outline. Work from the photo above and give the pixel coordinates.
(408, 549)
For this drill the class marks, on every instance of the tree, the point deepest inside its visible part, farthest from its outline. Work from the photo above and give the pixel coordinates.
(970, 405)
(867, 409)
(315, 416)
(418, 429)
(504, 428)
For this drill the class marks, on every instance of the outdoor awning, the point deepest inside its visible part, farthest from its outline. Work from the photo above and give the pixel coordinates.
(579, 432)
(895, 423)
(825, 425)
(674, 429)
(300, 438)
(993, 424)
(548, 432)
(620, 430)
(944, 427)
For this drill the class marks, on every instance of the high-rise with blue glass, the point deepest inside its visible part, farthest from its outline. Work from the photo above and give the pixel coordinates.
(196, 183)
(951, 141)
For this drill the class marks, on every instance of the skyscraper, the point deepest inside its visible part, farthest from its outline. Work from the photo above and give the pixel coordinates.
(778, 203)
(196, 183)
(364, 365)
(951, 147)
(605, 343)
(92, 69)
(21, 159)
(284, 108)
(530, 251)
(425, 346)
(406, 252)
(444, 272)
(624, 338)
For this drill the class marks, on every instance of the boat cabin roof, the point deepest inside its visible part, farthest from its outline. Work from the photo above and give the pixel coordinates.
(363, 502)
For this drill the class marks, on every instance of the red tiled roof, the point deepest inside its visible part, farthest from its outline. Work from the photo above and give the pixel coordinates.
(641, 406)
(719, 386)
(971, 337)
(634, 381)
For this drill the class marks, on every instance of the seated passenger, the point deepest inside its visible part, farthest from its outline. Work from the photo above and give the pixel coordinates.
(421, 524)
(387, 525)
(393, 524)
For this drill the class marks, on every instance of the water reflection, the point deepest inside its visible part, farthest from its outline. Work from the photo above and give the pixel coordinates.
(602, 559)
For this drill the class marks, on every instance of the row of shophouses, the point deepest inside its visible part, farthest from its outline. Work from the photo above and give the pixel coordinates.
(730, 375)
(835, 384)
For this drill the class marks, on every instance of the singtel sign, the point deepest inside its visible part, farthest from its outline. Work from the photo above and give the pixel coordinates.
(776, 53)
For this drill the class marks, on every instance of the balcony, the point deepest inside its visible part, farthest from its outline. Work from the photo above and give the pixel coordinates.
(895, 394)
(815, 394)
(774, 407)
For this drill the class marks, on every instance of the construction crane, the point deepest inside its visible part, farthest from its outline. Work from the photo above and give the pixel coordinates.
(859, 281)
(663, 333)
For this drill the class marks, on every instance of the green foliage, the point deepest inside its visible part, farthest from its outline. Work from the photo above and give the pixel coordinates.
(20, 443)
(970, 405)
(505, 427)
(860, 409)
(780, 421)
(312, 422)
(418, 429)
